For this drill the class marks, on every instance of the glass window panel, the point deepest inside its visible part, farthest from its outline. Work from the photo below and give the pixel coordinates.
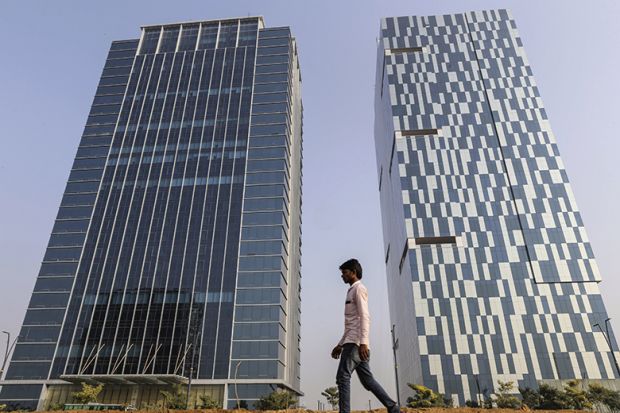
(125, 44)
(68, 239)
(96, 140)
(114, 80)
(271, 78)
(46, 316)
(271, 59)
(275, 32)
(89, 163)
(259, 130)
(62, 254)
(102, 119)
(208, 36)
(99, 129)
(108, 99)
(259, 191)
(150, 38)
(21, 391)
(270, 97)
(90, 151)
(261, 248)
(78, 225)
(268, 118)
(48, 300)
(249, 391)
(116, 71)
(279, 68)
(270, 108)
(267, 369)
(275, 41)
(74, 212)
(263, 218)
(78, 199)
(28, 370)
(268, 153)
(121, 54)
(262, 233)
(54, 284)
(260, 296)
(73, 187)
(261, 279)
(261, 141)
(56, 269)
(266, 178)
(110, 90)
(169, 39)
(266, 165)
(118, 62)
(263, 51)
(259, 313)
(41, 334)
(189, 37)
(264, 204)
(228, 35)
(261, 263)
(255, 349)
(105, 109)
(85, 175)
(271, 87)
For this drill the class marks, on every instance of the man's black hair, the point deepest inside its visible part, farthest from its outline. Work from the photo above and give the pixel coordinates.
(352, 265)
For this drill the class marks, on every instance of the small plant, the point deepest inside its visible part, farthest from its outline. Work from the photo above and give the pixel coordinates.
(208, 402)
(472, 403)
(425, 397)
(2, 407)
(530, 397)
(174, 398)
(552, 398)
(88, 394)
(577, 398)
(504, 397)
(56, 407)
(276, 400)
(601, 396)
(331, 394)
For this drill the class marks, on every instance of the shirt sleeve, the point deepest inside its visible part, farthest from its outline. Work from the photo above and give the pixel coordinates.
(361, 298)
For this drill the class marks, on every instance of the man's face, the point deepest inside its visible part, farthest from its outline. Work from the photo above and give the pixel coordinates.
(348, 276)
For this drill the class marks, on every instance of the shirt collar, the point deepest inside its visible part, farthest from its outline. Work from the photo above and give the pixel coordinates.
(355, 283)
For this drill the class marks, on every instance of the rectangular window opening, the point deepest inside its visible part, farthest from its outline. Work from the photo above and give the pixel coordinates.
(406, 50)
(435, 240)
(403, 257)
(420, 132)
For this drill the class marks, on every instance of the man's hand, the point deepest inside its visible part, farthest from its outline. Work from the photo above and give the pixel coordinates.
(364, 352)
(336, 352)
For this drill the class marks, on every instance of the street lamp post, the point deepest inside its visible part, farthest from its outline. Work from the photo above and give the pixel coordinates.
(394, 348)
(236, 390)
(7, 351)
(608, 341)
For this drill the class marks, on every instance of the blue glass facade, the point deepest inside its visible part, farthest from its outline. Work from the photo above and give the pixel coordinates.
(176, 248)
(490, 272)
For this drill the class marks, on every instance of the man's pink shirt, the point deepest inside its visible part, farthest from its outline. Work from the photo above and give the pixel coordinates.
(356, 316)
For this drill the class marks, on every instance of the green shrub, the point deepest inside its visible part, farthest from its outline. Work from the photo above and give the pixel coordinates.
(276, 400)
(601, 396)
(88, 394)
(530, 397)
(425, 397)
(504, 397)
(208, 402)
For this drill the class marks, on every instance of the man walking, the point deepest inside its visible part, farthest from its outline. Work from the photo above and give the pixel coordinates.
(353, 349)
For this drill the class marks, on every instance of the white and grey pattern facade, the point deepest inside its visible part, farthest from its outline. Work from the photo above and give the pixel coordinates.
(490, 272)
(176, 250)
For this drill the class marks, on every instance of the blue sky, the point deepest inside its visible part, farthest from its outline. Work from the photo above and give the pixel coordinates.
(52, 53)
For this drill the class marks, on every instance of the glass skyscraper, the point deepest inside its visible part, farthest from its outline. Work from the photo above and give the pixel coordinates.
(176, 249)
(490, 272)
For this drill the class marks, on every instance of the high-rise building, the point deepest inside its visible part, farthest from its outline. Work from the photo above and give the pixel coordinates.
(490, 272)
(176, 250)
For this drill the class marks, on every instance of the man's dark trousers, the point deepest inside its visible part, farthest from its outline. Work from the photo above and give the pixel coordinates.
(349, 361)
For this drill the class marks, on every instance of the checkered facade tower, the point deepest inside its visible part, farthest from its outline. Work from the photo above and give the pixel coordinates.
(490, 272)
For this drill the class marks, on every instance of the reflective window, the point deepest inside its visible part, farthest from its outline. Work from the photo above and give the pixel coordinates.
(228, 35)
(85, 175)
(65, 240)
(261, 247)
(41, 334)
(121, 54)
(264, 204)
(266, 178)
(169, 39)
(78, 199)
(21, 391)
(261, 279)
(89, 163)
(270, 108)
(56, 269)
(262, 51)
(27, 370)
(269, 118)
(62, 254)
(256, 349)
(260, 313)
(259, 141)
(263, 218)
(44, 317)
(80, 225)
(189, 37)
(261, 263)
(271, 87)
(273, 41)
(260, 369)
(268, 60)
(262, 233)
(114, 80)
(266, 165)
(33, 352)
(74, 212)
(108, 99)
(118, 62)
(150, 38)
(271, 97)
(73, 187)
(39, 300)
(208, 36)
(53, 284)
(260, 296)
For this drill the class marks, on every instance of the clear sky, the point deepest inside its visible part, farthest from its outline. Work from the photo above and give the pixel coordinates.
(52, 53)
